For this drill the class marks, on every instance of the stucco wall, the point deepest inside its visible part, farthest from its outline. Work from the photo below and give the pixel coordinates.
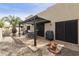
(50, 26)
(31, 27)
(60, 12)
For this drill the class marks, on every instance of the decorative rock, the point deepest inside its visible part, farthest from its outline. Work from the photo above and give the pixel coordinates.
(45, 52)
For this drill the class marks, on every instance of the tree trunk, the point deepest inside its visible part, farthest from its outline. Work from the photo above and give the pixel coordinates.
(14, 30)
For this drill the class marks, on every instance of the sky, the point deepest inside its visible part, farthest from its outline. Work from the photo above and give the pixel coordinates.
(22, 9)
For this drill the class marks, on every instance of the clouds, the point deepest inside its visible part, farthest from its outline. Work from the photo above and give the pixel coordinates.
(22, 9)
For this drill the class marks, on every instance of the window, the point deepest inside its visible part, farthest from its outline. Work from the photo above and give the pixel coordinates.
(28, 27)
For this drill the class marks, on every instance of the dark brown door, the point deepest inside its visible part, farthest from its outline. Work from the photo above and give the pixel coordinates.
(40, 29)
(67, 31)
(60, 30)
(71, 31)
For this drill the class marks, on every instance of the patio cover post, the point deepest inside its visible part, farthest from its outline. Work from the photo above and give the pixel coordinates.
(35, 35)
(19, 29)
(34, 20)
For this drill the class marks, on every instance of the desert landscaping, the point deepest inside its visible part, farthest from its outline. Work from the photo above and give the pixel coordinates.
(41, 34)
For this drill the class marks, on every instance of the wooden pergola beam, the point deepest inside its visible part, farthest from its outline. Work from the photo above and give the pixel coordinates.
(34, 20)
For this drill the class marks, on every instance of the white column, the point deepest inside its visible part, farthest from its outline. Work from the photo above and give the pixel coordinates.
(0, 34)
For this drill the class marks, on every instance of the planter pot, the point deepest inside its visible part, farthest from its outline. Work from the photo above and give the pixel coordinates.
(1, 34)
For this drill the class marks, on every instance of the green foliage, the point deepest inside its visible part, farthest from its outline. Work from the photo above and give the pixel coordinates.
(14, 21)
(1, 23)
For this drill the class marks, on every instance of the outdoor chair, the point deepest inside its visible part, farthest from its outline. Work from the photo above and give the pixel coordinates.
(30, 35)
(25, 32)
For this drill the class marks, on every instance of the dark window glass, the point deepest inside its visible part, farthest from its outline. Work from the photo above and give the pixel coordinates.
(28, 27)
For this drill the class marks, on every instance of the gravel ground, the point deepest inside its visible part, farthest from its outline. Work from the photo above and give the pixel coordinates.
(8, 49)
(17, 48)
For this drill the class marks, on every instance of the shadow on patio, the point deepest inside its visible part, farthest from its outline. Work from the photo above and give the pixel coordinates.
(41, 41)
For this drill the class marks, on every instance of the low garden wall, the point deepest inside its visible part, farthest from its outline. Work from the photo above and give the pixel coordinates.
(0, 34)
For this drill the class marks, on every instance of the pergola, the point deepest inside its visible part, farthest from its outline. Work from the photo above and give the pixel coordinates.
(34, 20)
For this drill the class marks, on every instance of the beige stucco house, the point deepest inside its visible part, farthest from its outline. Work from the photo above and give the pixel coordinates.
(60, 15)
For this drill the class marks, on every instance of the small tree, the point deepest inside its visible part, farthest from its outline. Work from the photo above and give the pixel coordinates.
(14, 21)
(1, 23)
